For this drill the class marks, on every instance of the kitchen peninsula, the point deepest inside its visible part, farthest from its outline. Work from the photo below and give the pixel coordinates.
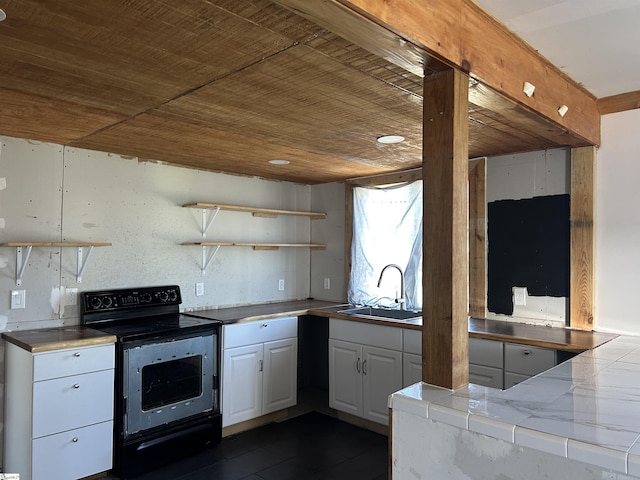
(577, 420)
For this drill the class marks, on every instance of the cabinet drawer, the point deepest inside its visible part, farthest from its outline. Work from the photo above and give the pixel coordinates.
(412, 341)
(366, 333)
(528, 360)
(73, 361)
(240, 334)
(511, 379)
(485, 352)
(73, 454)
(487, 376)
(71, 402)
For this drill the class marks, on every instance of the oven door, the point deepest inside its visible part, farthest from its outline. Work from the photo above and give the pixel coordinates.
(167, 381)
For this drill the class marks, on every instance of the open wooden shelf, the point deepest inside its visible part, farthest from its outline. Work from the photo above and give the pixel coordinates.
(256, 211)
(55, 244)
(258, 246)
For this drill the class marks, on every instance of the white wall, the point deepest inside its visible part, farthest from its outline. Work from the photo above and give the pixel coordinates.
(528, 175)
(617, 224)
(53, 193)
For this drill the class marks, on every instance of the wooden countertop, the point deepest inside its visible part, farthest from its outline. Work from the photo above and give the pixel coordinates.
(534, 335)
(48, 339)
(251, 313)
(549, 337)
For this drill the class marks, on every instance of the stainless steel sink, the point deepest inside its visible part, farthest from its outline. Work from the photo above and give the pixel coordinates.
(383, 313)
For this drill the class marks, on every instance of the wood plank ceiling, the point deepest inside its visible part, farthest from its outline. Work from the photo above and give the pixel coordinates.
(226, 85)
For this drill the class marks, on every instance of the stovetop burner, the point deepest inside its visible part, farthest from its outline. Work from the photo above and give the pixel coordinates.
(155, 327)
(140, 313)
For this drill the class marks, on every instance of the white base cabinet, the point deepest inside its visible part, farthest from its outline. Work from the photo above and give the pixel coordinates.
(491, 363)
(59, 412)
(259, 368)
(411, 357)
(365, 367)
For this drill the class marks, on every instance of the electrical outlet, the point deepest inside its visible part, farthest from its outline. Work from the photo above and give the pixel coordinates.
(18, 299)
(327, 284)
(71, 296)
(199, 289)
(281, 285)
(520, 296)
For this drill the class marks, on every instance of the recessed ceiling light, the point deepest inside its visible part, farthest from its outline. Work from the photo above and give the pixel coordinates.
(3, 15)
(391, 139)
(279, 162)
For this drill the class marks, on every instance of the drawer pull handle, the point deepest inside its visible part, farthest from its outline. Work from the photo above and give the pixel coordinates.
(76, 386)
(77, 354)
(364, 367)
(265, 325)
(527, 352)
(358, 365)
(74, 439)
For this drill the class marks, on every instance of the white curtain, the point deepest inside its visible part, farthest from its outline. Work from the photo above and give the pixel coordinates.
(387, 229)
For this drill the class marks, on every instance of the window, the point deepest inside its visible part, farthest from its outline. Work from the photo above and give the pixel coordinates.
(387, 229)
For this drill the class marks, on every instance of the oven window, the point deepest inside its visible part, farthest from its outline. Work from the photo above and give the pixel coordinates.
(170, 382)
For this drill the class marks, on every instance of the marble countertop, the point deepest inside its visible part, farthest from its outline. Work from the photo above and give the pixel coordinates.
(586, 409)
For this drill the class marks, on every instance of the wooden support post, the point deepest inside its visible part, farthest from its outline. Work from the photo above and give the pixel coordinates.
(478, 238)
(582, 273)
(445, 356)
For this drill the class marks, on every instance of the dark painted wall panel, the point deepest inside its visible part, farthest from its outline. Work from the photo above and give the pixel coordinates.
(528, 246)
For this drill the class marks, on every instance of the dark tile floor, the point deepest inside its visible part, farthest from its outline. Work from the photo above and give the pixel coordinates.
(312, 446)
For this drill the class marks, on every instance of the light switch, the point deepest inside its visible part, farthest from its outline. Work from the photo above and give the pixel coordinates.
(17, 299)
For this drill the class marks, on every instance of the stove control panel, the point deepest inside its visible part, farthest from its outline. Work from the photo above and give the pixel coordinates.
(130, 298)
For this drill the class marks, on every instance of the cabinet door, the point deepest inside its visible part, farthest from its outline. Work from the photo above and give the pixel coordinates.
(242, 388)
(345, 377)
(411, 369)
(382, 375)
(280, 374)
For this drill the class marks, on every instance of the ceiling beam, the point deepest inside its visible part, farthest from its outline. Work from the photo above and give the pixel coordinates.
(460, 34)
(619, 103)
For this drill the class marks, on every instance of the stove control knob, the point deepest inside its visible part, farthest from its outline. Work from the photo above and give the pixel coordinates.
(106, 303)
(173, 295)
(146, 298)
(163, 296)
(95, 303)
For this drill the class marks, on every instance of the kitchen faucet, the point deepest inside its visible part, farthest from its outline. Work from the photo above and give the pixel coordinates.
(401, 299)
